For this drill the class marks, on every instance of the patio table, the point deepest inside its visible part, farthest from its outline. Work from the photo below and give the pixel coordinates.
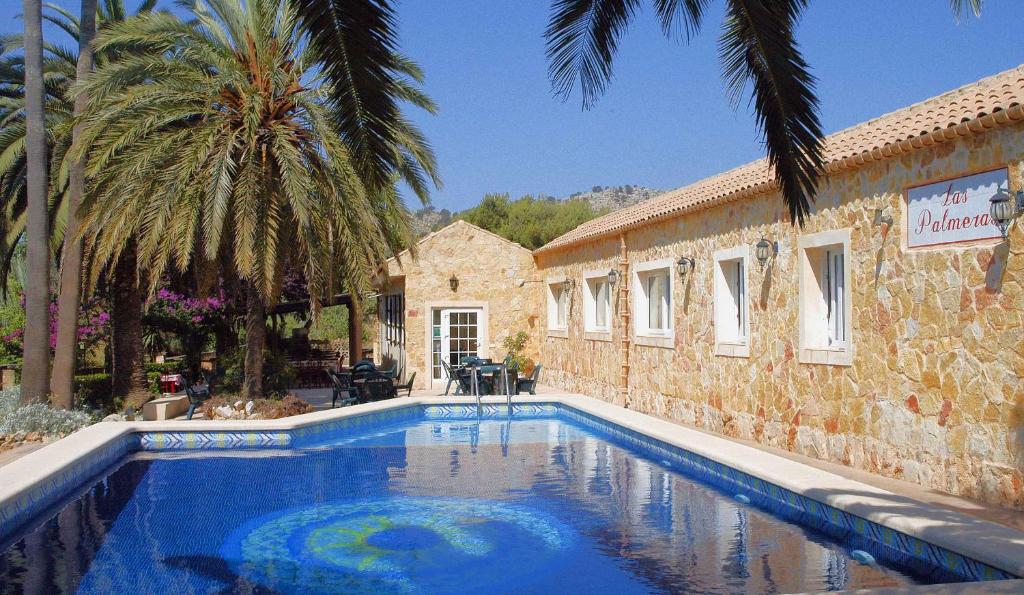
(498, 370)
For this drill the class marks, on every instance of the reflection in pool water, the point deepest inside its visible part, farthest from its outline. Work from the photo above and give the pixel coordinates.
(535, 505)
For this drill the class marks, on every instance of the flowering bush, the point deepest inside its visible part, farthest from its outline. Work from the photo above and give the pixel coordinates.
(11, 346)
(189, 310)
(38, 417)
(176, 322)
(93, 324)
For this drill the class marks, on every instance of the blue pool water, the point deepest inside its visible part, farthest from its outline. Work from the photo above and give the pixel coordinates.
(430, 506)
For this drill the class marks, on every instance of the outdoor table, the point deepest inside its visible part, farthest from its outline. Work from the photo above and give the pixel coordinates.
(172, 383)
(499, 371)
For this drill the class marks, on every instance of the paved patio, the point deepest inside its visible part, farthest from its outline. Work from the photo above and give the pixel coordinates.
(320, 398)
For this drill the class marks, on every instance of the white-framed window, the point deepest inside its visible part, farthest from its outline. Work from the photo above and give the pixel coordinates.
(833, 275)
(731, 309)
(597, 314)
(826, 314)
(558, 305)
(652, 312)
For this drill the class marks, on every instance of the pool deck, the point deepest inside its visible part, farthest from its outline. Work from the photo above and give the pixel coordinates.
(972, 529)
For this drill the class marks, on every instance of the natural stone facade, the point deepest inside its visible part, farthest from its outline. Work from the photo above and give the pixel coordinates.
(935, 392)
(495, 276)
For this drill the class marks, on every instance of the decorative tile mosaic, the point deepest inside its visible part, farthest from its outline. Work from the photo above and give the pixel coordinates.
(489, 410)
(213, 440)
(782, 501)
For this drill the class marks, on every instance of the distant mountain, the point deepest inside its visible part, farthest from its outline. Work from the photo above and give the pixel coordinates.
(602, 199)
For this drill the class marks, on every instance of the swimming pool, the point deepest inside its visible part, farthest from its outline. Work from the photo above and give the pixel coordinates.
(438, 499)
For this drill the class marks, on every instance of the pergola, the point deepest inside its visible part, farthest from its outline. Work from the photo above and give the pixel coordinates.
(355, 323)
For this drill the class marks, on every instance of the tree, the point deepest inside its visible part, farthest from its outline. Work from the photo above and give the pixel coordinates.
(757, 47)
(69, 299)
(35, 374)
(220, 146)
(59, 67)
(528, 221)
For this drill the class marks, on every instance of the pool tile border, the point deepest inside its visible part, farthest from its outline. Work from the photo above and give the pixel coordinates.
(20, 504)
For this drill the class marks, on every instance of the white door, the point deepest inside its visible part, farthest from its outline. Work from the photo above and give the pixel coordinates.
(456, 334)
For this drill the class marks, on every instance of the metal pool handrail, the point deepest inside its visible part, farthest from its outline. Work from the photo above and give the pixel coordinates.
(475, 386)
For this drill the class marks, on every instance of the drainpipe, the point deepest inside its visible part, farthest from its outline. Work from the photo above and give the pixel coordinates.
(624, 311)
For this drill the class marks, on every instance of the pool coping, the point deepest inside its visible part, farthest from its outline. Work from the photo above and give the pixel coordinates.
(27, 483)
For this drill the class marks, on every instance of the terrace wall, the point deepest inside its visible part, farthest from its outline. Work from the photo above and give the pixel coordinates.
(935, 392)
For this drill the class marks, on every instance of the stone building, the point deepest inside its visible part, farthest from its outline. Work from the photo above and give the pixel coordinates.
(462, 292)
(886, 333)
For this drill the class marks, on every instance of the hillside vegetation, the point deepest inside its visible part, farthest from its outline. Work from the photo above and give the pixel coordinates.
(533, 221)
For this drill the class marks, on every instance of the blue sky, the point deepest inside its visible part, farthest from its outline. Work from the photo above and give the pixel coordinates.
(665, 120)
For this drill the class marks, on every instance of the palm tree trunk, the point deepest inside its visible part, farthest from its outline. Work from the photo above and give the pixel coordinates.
(129, 372)
(35, 371)
(255, 339)
(62, 382)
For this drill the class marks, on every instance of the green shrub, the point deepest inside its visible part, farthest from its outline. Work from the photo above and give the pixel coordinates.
(94, 391)
(514, 345)
(38, 417)
(278, 373)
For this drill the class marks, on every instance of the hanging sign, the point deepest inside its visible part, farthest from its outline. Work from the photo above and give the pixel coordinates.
(953, 211)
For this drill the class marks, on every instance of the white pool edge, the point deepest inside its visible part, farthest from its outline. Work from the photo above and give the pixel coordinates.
(990, 543)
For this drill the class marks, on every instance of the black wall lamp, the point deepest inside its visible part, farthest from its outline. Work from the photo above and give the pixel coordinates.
(685, 266)
(1004, 208)
(764, 250)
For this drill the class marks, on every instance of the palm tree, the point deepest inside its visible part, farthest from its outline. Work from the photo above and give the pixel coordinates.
(35, 375)
(69, 298)
(221, 144)
(59, 67)
(757, 47)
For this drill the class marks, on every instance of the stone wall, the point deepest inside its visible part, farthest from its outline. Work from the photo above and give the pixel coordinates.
(935, 392)
(493, 273)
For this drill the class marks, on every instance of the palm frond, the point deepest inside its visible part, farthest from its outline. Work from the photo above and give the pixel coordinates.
(673, 13)
(965, 8)
(582, 38)
(757, 47)
(355, 43)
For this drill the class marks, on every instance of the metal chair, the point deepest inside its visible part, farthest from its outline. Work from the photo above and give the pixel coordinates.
(391, 372)
(529, 384)
(195, 399)
(465, 378)
(451, 373)
(203, 390)
(363, 369)
(407, 387)
(343, 390)
(378, 388)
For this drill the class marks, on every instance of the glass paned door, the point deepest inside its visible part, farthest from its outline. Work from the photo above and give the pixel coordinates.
(455, 335)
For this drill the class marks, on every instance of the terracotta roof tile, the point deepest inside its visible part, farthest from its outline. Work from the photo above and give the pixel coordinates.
(989, 103)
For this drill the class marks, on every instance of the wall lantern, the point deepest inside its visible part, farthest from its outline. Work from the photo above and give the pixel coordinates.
(453, 282)
(764, 250)
(1003, 208)
(684, 265)
(613, 277)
